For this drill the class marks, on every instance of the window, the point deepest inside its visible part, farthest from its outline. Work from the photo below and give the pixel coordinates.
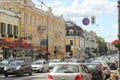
(67, 33)
(9, 28)
(25, 18)
(15, 30)
(31, 20)
(66, 69)
(3, 27)
(71, 32)
(35, 21)
(38, 22)
(71, 42)
(76, 32)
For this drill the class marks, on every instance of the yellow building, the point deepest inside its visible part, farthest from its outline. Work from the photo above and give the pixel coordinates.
(73, 39)
(38, 26)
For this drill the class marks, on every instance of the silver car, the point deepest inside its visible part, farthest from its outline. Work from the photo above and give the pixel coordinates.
(70, 71)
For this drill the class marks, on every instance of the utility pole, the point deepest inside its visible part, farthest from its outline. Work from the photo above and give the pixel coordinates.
(119, 31)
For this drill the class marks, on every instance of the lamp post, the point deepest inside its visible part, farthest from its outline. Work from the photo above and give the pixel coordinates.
(119, 30)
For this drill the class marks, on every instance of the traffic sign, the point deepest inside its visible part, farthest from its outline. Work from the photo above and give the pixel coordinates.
(86, 21)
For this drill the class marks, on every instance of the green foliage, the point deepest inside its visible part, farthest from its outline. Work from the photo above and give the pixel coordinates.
(102, 46)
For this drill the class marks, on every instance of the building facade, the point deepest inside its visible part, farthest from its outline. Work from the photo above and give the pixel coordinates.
(73, 40)
(91, 44)
(42, 29)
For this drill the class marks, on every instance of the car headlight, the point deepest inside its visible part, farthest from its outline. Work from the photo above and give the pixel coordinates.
(5, 68)
(17, 68)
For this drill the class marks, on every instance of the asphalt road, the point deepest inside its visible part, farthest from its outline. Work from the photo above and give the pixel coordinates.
(35, 76)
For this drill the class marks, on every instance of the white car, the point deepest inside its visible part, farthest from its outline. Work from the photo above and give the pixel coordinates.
(40, 66)
(54, 62)
(69, 71)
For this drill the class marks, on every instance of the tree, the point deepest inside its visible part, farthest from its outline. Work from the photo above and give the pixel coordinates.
(102, 47)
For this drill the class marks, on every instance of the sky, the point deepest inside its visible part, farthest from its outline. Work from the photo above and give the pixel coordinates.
(105, 12)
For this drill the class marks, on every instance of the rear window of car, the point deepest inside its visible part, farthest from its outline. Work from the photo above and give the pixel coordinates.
(66, 69)
(36, 63)
(91, 66)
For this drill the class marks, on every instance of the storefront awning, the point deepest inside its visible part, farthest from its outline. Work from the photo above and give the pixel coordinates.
(16, 44)
(6, 44)
(20, 46)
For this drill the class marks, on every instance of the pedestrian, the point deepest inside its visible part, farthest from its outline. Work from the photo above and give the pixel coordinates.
(107, 73)
(100, 72)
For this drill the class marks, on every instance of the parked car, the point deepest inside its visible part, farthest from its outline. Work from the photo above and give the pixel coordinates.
(3, 64)
(69, 71)
(18, 68)
(40, 66)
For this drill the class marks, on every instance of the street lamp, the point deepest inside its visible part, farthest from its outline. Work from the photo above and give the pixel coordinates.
(119, 29)
(119, 19)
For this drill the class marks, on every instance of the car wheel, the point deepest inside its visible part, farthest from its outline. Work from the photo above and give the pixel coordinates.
(42, 70)
(48, 70)
(30, 73)
(20, 73)
(6, 75)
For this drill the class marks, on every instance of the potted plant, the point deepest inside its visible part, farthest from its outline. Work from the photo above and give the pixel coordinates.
(116, 43)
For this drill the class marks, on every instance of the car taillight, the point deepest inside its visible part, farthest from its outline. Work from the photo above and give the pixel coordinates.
(78, 77)
(50, 77)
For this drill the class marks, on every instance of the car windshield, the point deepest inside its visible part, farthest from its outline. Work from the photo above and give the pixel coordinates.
(66, 69)
(36, 63)
(91, 66)
(4, 62)
(16, 63)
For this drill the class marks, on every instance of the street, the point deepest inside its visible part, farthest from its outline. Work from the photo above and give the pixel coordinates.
(35, 76)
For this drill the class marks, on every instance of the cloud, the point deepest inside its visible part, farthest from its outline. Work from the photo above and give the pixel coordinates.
(115, 26)
(86, 7)
(111, 37)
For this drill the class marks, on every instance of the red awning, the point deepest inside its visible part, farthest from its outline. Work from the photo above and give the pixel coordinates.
(6, 44)
(19, 45)
(16, 45)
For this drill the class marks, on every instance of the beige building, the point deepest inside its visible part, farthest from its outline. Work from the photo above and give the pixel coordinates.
(44, 30)
(73, 39)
